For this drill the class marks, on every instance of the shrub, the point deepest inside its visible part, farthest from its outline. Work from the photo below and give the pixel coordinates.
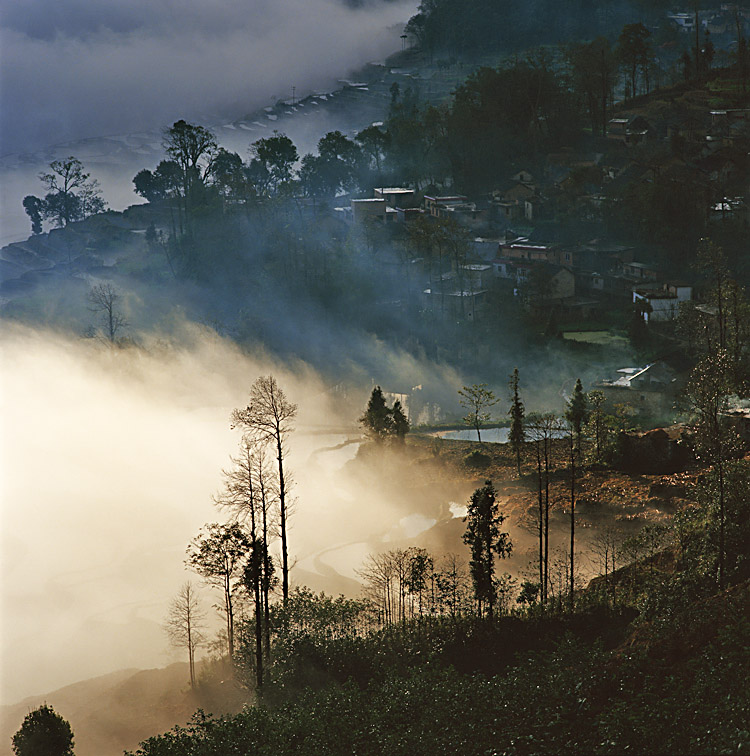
(477, 460)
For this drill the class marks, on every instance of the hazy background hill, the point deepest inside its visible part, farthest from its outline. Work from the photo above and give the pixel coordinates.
(117, 711)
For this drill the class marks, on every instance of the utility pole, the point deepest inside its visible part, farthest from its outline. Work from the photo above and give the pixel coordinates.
(294, 92)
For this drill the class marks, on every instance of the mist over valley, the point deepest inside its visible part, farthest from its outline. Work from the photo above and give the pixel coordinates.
(374, 377)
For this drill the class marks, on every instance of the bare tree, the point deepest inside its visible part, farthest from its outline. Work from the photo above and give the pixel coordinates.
(268, 417)
(103, 301)
(453, 586)
(543, 429)
(379, 574)
(477, 400)
(605, 549)
(185, 624)
(397, 581)
(248, 494)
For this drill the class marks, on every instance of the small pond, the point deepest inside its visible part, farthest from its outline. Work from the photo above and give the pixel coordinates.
(490, 435)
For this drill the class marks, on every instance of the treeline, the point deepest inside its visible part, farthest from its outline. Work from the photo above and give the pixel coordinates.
(471, 29)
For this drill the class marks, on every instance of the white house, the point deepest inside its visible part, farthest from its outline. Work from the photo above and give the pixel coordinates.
(663, 303)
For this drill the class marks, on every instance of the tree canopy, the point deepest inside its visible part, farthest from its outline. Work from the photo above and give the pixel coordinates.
(44, 733)
(483, 536)
(71, 195)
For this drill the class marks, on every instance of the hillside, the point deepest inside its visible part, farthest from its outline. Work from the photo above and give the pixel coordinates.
(117, 711)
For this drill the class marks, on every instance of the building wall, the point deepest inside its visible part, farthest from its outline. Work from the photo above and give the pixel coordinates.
(362, 209)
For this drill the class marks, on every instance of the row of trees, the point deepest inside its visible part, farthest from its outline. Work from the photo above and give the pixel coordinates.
(196, 164)
(235, 557)
(542, 430)
(450, 27)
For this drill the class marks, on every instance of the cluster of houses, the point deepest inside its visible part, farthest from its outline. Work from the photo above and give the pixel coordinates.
(515, 227)
(716, 21)
(573, 279)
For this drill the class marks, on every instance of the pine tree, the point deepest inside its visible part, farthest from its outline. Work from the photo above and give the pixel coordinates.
(517, 434)
(597, 420)
(577, 411)
(377, 420)
(399, 423)
(483, 536)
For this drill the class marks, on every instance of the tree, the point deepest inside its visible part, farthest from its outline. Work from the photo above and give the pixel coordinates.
(247, 494)
(577, 412)
(271, 169)
(687, 65)
(185, 624)
(164, 182)
(729, 328)
(193, 148)
(43, 733)
(477, 399)
(374, 143)
(513, 112)
(597, 421)
(34, 208)
(252, 578)
(227, 173)
(312, 177)
(377, 419)
(543, 429)
(605, 546)
(399, 423)
(419, 567)
(634, 52)
(382, 423)
(217, 555)
(71, 195)
(269, 417)
(103, 301)
(707, 393)
(741, 54)
(379, 576)
(338, 165)
(593, 68)
(517, 435)
(573, 449)
(708, 52)
(483, 536)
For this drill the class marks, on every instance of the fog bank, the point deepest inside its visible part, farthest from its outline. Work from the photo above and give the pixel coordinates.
(109, 461)
(86, 69)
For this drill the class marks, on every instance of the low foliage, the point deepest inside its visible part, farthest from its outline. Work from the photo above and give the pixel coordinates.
(576, 697)
(477, 460)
